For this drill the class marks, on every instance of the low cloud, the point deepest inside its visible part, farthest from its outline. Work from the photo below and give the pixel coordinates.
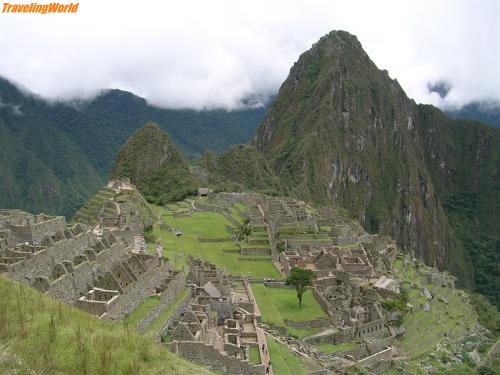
(226, 54)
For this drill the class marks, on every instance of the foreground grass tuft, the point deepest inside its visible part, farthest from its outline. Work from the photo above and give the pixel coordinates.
(49, 337)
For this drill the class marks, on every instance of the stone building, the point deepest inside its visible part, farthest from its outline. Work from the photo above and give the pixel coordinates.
(219, 327)
(95, 270)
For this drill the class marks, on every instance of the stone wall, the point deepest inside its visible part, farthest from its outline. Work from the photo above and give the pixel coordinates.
(315, 323)
(383, 355)
(37, 227)
(172, 290)
(207, 355)
(133, 295)
(277, 284)
(42, 263)
(255, 251)
(322, 301)
(175, 316)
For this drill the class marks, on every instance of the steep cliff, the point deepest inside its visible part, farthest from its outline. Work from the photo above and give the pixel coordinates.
(240, 168)
(342, 130)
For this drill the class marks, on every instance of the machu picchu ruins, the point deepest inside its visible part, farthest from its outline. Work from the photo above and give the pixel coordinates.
(207, 312)
(211, 311)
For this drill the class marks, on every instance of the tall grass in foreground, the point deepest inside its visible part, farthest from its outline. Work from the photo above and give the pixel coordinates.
(52, 338)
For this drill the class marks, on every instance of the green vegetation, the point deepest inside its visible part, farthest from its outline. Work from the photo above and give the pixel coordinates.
(472, 218)
(240, 168)
(398, 303)
(55, 156)
(255, 355)
(89, 212)
(243, 232)
(304, 139)
(224, 254)
(52, 338)
(141, 311)
(149, 235)
(153, 164)
(280, 304)
(300, 279)
(488, 314)
(283, 361)
(424, 330)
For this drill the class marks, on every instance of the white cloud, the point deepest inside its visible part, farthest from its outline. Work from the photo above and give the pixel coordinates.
(216, 53)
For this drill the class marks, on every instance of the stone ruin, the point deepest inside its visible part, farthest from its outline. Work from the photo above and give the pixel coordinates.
(96, 271)
(219, 327)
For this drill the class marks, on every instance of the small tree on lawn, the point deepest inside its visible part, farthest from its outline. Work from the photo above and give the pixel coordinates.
(300, 278)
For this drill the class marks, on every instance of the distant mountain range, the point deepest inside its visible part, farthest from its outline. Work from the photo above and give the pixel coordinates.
(54, 156)
(487, 112)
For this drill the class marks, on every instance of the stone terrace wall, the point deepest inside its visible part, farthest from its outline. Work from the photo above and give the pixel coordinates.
(207, 355)
(256, 251)
(38, 230)
(315, 323)
(70, 286)
(43, 262)
(137, 292)
(176, 315)
(383, 355)
(173, 289)
(322, 301)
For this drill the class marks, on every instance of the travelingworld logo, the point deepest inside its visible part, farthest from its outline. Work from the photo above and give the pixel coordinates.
(40, 8)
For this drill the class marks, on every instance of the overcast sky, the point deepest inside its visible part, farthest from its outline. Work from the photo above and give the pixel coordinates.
(211, 53)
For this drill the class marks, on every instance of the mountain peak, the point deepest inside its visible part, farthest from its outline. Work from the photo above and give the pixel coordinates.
(145, 151)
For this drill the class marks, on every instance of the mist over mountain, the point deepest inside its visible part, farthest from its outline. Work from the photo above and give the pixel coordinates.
(54, 155)
(486, 112)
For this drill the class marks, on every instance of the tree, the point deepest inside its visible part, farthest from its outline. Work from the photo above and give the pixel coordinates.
(281, 246)
(243, 232)
(300, 278)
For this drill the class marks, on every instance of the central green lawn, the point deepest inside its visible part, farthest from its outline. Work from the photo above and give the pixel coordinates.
(278, 304)
(224, 254)
(282, 360)
(142, 310)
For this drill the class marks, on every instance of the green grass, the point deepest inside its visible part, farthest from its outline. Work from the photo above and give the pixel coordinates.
(142, 310)
(210, 225)
(333, 348)
(424, 330)
(235, 214)
(278, 304)
(156, 324)
(283, 361)
(52, 338)
(255, 355)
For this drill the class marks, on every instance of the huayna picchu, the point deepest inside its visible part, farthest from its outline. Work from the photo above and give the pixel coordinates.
(350, 237)
(342, 131)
